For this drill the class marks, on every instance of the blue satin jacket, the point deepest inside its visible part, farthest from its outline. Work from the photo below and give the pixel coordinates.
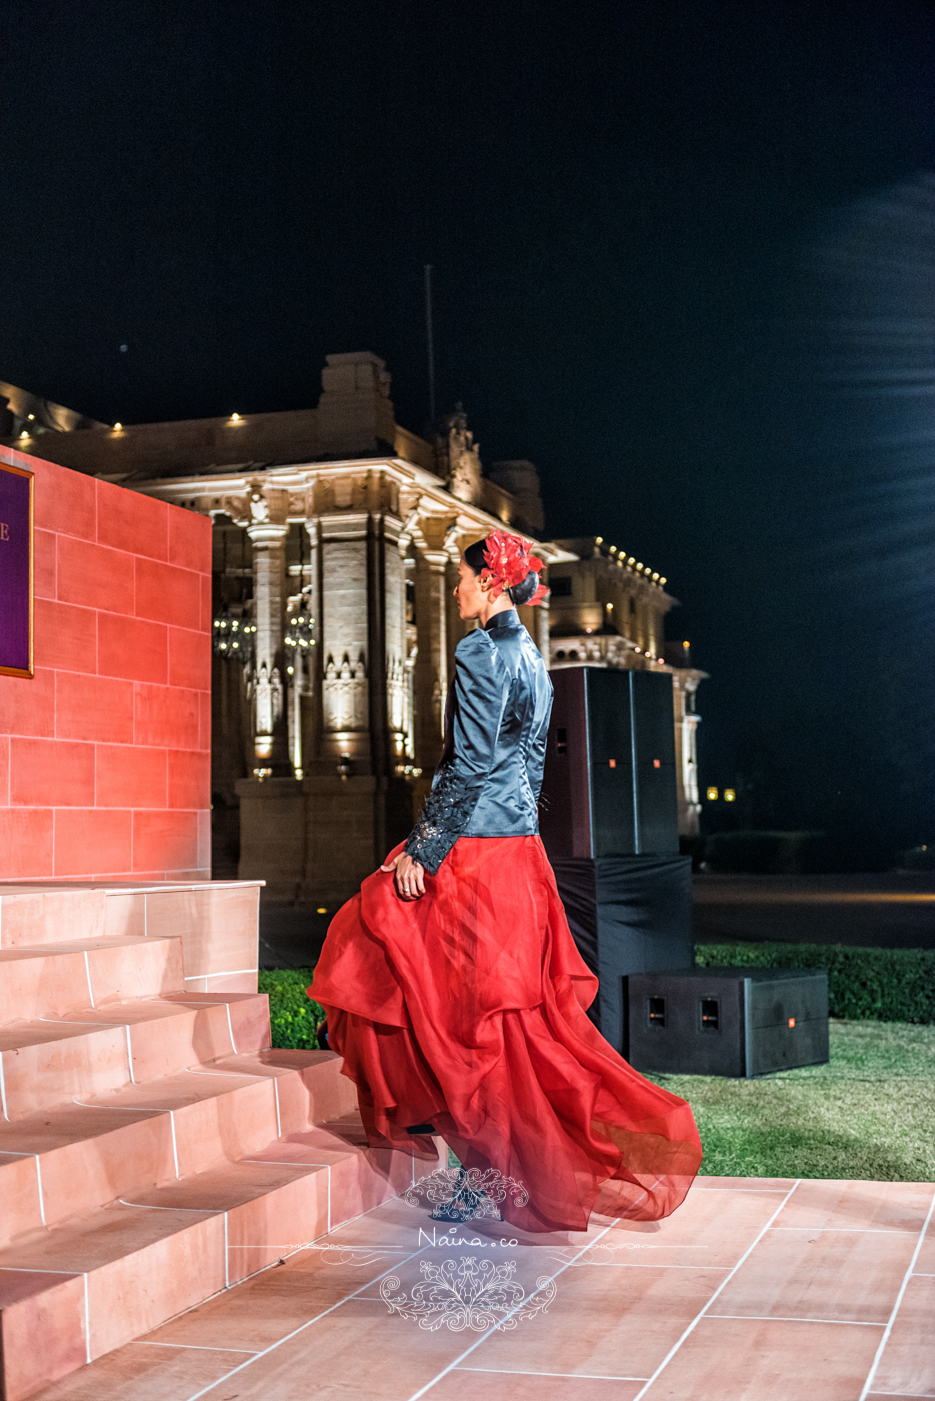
(496, 723)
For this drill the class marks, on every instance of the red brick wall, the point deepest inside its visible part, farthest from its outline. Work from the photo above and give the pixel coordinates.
(105, 754)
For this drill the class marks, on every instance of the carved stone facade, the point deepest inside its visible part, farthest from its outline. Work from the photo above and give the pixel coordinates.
(458, 456)
(343, 733)
(336, 544)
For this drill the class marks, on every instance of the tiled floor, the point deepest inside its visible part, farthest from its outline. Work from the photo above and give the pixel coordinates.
(755, 1290)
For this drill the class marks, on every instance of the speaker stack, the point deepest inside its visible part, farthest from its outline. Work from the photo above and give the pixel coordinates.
(609, 821)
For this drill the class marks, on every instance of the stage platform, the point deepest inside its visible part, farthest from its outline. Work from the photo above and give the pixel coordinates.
(755, 1290)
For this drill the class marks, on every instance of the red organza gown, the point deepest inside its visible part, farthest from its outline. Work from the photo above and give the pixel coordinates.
(466, 1009)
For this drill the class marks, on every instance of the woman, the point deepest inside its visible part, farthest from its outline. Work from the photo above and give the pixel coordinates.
(452, 986)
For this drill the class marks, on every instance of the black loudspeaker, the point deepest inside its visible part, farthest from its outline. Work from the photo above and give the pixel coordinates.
(627, 914)
(727, 1021)
(609, 786)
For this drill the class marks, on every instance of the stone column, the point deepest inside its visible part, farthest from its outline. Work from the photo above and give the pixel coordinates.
(344, 632)
(394, 626)
(294, 695)
(685, 683)
(267, 531)
(411, 652)
(541, 611)
(431, 668)
(456, 626)
(653, 643)
(311, 727)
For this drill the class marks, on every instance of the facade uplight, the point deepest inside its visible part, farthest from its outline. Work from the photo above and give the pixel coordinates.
(118, 427)
(24, 434)
(235, 418)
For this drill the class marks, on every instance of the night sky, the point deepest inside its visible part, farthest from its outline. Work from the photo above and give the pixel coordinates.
(685, 262)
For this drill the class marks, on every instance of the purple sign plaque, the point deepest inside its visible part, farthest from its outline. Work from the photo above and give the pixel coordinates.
(15, 571)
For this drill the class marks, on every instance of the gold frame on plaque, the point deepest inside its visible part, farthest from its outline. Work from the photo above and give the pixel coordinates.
(29, 672)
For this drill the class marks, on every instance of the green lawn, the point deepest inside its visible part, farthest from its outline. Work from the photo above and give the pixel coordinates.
(869, 1113)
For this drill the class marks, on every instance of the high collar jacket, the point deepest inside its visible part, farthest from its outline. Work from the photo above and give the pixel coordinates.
(496, 723)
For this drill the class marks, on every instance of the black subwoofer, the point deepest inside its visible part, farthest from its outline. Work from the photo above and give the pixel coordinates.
(726, 1021)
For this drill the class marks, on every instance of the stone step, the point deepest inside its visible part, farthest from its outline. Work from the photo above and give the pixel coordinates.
(36, 912)
(216, 921)
(73, 1158)
(53, 980)
(79, 1291)
(153, 1149)
(45, 1061)
(94, 1283)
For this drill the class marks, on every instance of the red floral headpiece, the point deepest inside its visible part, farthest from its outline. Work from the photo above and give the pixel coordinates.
(508, 561)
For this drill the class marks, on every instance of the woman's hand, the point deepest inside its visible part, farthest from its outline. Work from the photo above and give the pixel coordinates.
(410, 882)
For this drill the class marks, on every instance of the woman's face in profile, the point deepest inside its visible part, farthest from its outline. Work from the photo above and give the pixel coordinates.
(471, 595)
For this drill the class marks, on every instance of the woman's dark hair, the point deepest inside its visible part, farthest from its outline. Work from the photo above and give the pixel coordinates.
(520, 593)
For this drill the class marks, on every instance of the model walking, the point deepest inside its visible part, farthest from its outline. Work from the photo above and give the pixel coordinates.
(452, 985)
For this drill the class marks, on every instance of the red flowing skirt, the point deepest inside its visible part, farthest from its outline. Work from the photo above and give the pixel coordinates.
(466, 1009)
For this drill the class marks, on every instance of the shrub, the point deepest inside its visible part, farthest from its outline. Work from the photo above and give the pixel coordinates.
(918, 858)
(888, 985)
(293, 1016)
(791, 853)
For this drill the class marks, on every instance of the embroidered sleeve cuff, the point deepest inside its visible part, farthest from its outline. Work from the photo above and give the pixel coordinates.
(446, 813)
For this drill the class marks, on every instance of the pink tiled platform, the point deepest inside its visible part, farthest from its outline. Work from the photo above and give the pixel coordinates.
(755, 1290)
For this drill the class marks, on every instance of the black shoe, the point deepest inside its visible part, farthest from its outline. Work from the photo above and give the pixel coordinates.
(421, 1128)
(321, 1035)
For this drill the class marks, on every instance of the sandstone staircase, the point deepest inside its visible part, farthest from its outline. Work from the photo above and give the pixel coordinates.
(153, 1149)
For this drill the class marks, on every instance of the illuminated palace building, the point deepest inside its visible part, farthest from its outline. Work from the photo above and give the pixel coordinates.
(337, 535)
